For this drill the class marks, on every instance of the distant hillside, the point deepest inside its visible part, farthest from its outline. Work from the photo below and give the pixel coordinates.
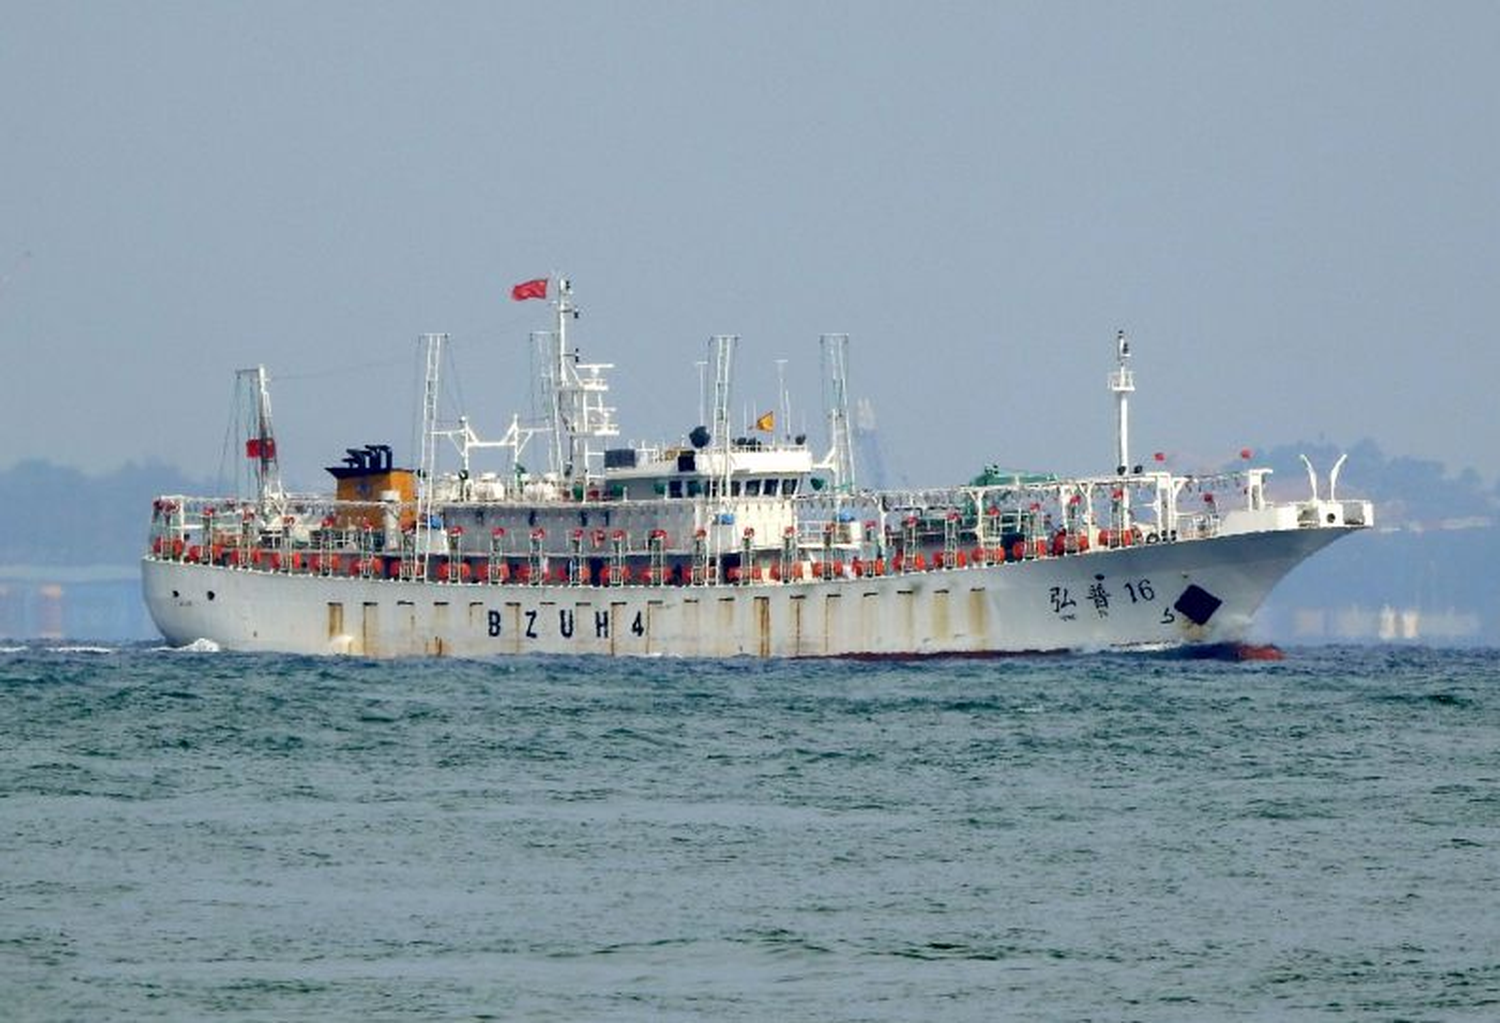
(1407, 491)
(1429, 571)
(52, 515)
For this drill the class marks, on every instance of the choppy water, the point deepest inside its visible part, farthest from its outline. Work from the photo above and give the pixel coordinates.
(203, 835)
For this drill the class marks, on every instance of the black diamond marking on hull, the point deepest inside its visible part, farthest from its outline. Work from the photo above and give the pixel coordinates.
(1197, 604)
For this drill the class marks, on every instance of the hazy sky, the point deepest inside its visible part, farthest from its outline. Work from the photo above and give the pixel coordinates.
(1293, 208)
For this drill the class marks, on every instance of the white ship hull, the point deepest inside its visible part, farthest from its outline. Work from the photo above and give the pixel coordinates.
(1195, 592)
(715, 545)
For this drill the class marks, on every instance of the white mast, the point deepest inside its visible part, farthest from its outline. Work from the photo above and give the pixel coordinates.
(561, 413)
(260, 443)
(723, 375)
(1122, 382)
(544, 345)
(574, 394)
(427, 465)
(836, 400)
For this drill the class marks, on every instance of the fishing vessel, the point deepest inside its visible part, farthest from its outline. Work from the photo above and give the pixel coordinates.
(726, 543)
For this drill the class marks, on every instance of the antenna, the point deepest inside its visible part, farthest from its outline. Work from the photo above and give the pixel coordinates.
(1122, 383)
(783, 400)
(702, 365)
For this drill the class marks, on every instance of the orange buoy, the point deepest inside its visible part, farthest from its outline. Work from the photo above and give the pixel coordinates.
(1258, 652)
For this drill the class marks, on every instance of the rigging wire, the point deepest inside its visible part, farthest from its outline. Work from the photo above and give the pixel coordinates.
(344, 370)
(452, 391)
(234, 429)
(457, 382)
(221, 474)
(414, 414)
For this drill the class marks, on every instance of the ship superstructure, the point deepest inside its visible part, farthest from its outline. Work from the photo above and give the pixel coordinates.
(718, 545)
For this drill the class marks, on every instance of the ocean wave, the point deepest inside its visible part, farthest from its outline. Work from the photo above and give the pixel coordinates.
(617, 836)
(198, 646)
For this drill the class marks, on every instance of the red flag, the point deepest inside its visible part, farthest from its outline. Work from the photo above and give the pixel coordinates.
(257, 448)
(529, 289)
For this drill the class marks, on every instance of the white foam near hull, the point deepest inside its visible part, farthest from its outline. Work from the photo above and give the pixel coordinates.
(1146, 596)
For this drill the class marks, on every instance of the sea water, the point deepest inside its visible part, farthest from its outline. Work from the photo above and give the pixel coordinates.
(201, 835)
